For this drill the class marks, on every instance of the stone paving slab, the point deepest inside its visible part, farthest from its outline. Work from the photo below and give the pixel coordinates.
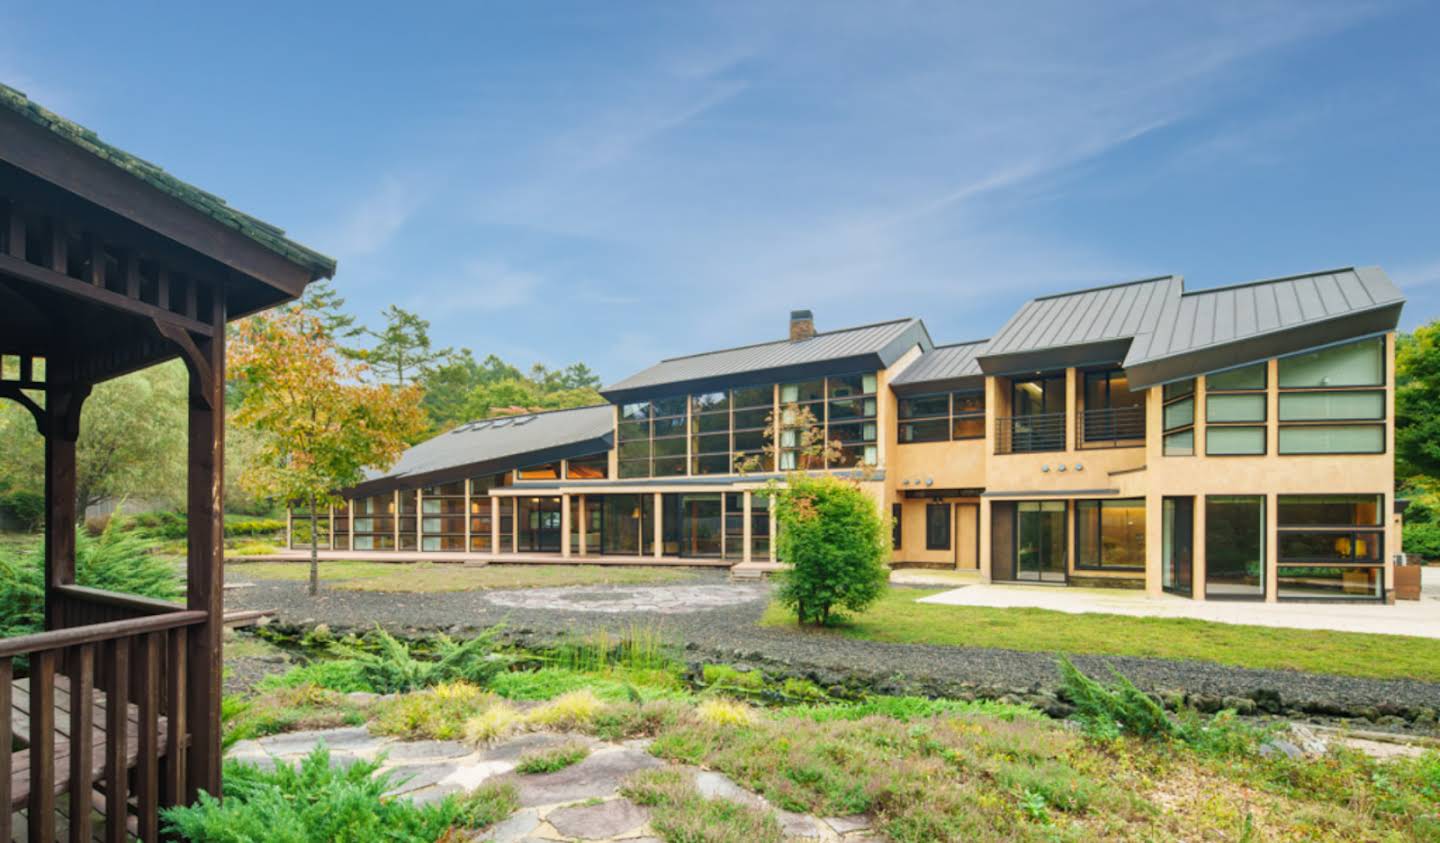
(579, 803)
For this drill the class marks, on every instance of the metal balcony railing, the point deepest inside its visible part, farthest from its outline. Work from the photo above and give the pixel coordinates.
(1110, 426)
(1028, 434)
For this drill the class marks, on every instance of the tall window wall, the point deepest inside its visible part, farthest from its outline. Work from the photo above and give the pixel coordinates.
(1235, 411)
(375, 522)
(1235, 547)
(708, 433)
(409, 520)
(341, 538)
(1110, 534)
(442, 517)
(1331, 546)
(1179, 418)
(942, 416)
(1332, 401)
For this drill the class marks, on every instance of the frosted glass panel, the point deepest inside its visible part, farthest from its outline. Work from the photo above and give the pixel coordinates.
(1232, 408)
(1180, 414)
(1356, 364)
(1250, 377)
(1180, 444)
(1235, 440)
(1323, 406)
(1333, 439)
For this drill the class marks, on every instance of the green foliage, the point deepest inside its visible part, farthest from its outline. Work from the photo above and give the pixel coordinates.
(313, 802)
(551, 759)
(907, 709)
(277, 710)
(725, 676)
(1422, 528)
(26, 507)
(680, 814)
(402, 351)
(112, 561)
(343, 675)
(836, 545)
(388, 665)
(488, 804)
(1417, 397)
(1107, 711)
(459, 389)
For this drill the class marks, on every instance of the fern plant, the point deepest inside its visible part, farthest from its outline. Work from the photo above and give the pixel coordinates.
(390, 666)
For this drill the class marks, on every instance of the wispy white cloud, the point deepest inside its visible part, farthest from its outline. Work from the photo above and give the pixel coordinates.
(1418, 275)
(485, 285)
(377, 217)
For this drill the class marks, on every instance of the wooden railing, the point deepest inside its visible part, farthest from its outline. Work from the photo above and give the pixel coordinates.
(99, 700)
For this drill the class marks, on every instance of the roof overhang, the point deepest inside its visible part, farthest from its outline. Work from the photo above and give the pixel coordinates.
(1057, 357)
(391, 482)
(1193, 363)
(940, 385)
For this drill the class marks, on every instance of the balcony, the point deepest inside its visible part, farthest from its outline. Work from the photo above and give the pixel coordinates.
(1030, 434)
(1112, 427)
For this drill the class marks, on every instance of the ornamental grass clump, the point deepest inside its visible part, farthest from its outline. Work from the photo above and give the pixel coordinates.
(438, 713)
(497, 722)
(574, 711)
(722, 712)
(551, 759)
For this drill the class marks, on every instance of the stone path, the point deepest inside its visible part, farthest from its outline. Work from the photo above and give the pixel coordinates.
(578, 803)
(660, 600)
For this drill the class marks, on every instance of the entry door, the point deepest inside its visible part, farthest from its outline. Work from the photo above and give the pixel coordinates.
(1177, 572)
(967, 536)
(1040, 541)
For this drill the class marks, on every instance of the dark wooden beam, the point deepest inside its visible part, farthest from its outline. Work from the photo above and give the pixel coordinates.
(39, 152)
(198, 363)
(205, 579)
(62, 283)
(63, 402)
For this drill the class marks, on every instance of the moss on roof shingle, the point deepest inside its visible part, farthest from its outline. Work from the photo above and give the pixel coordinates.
(213, 206)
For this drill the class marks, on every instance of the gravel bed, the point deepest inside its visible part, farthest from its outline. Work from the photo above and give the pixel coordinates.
(730, 634)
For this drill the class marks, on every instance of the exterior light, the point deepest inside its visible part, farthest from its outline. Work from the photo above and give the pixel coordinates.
(1079, 466)
(929, 481)
(1045, 468)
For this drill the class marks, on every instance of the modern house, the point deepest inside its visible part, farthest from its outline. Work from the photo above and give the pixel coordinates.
(1228, 443)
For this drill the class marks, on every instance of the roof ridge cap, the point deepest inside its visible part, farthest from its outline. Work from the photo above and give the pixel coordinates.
(787, 342)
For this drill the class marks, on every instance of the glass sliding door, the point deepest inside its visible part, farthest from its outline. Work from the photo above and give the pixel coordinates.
(540, 522)
(1235, 547)
(1177, 565)
(624, 522)
(693, 525)
(1040, 541)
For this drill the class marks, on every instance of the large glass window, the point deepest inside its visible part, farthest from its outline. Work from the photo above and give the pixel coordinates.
(547, 471)
(1038, 420)
(1235, 411)
(588, 468)
(753, 413)
(759, 527)
(1177, 567)
(442, 517)
(850, 419)
(409, 520)
(896, 511)
(1112, 414)
(1179, 418)
(1331, 546)
(1355, 364)
(628, 522)
(937, 526)
(942, 416)
(710, 433)
(375, 522)
(341, 538)
(1235, 547)
(1323, 410)
(1110, 534)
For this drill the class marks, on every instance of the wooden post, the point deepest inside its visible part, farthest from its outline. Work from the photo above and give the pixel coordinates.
(584, 524)
(746, 529)
(62, 422)
(465, 508)
(494, 525)
(565, 520)
(659, 534)
(206, 576)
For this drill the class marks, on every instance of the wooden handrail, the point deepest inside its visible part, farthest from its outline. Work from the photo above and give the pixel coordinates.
(94, 633)
(144, 605)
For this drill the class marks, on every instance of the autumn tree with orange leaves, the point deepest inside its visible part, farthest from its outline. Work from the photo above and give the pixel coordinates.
(321, 422)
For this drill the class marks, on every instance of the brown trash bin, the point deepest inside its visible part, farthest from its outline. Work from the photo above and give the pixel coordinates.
(1407, 578)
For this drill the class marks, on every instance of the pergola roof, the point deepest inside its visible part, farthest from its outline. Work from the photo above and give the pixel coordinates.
(267, 235)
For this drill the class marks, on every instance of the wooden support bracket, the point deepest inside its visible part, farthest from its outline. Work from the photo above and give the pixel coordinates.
(194, 358)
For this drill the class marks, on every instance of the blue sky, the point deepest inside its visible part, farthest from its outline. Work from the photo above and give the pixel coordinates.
(618, 182)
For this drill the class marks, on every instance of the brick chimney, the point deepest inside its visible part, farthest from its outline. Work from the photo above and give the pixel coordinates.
(802, 325)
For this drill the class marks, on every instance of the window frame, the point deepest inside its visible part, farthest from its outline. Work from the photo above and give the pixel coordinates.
(1099, 507)
(931, 509)
(1263, 424)
(950, 416)
(1382, 386)
(1376, 529)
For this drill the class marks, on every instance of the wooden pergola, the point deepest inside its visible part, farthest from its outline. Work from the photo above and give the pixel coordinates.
(109, 265)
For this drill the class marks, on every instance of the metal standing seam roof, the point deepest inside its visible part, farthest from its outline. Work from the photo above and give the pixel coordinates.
(213, 206)
(887, 340)
(521, 440)
(1203, 319)
(1101, 314)
(943, 363)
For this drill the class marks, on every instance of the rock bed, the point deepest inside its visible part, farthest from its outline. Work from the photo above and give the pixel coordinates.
(728, 633)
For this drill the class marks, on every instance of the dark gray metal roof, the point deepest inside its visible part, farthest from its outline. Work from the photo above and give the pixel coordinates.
(495, 445)
(1081, 327)
(942, 367)
(876, 345)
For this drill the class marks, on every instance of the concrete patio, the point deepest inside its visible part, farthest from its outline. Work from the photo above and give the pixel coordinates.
(1407, 617)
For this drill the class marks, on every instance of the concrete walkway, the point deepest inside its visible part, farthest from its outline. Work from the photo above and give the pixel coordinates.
(1407, 617)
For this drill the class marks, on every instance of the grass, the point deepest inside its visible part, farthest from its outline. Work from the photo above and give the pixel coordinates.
(681, 815)
(277, 710)
(430, 577)
(437, 713)
(898, 618)
(551, 759)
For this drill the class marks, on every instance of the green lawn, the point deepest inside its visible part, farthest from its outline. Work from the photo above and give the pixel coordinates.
(429, 577)
(899, 619)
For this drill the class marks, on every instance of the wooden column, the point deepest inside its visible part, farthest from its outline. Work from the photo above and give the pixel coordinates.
(746, 530)
(565, 520)
(494, 524)
(419, 521)
(62, 430)
(584, 525)
(659, 533)
(465, 508)
(205, 587)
